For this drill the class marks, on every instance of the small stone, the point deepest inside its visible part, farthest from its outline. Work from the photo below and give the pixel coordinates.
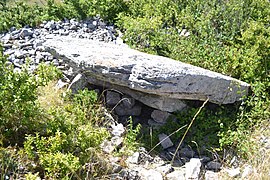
(154, 124)
(134, 159)
(116, 141)
(12, 29)
(78, 83)
(55, 62)
(165, 169)
(50, 25)
(107, 146)
(176, 175)
(193, 168)
(17, 70)
(150, 174)
(63, 32)
(165, 141)
(135, 111)
(116, 168)
(118, 130)
(55, 32)
(184, 33)
(213, 165)
(60, 84)
(160, 116)
(233, 172)
(40, 48)
(9, 52)
(7, 37)
(210, 175)
(18, 62)
(112, 98)
(205, 159)
(187, 152)
(247, 171)
(26, 32)
(73, 27)
(20, 54)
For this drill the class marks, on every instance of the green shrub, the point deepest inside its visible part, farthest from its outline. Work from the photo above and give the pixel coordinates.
(19, 15)
(229, 37)
(71, 129)
(19, 110)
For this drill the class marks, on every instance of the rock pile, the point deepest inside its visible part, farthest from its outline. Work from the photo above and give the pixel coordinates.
(26, 44)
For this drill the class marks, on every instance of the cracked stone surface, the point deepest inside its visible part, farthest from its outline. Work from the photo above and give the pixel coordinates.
(155, 75)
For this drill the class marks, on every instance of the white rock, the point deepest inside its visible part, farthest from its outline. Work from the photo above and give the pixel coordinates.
(60, 84)
(165, 169)
(150, 174)
(120, 66)
(176, 175)
(134, 158)
(118, 130)
(210, 175)
(79, 82)
(233, 172)
(165, 141)
(247, 171)
(193, 168)
(107, 146)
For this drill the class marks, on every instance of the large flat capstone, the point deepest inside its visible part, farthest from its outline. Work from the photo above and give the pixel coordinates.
(157, 81)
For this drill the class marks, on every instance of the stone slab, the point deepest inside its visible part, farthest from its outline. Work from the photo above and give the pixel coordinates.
(149, 74)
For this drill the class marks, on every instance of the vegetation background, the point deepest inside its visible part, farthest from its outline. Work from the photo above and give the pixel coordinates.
(229, 37)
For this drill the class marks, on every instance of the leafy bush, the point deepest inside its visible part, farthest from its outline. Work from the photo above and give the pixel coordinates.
(19, 110)
(72, 128)
(230, 37)
(19, 15)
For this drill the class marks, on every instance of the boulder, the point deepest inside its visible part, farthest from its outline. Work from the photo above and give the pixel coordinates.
(142, 75)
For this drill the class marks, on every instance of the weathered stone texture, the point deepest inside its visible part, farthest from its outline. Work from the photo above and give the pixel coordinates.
(145, 73)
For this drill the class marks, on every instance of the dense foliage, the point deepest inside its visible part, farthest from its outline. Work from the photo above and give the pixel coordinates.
(230, 37)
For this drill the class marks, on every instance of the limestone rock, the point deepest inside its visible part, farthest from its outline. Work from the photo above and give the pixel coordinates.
(123, 111)
(112, 98)
(134, 159)
(193, 168)
(79, 82)
(176, 175)
(118, 130)
(165, 141)
(210, 175)
(247, 171)
(187, 152)
(233, 172)
(165, 78)
(150, 174)
(160, 116)
(213, 165)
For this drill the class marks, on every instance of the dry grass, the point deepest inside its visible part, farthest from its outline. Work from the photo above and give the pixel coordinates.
(259, 157)
(50, 96)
